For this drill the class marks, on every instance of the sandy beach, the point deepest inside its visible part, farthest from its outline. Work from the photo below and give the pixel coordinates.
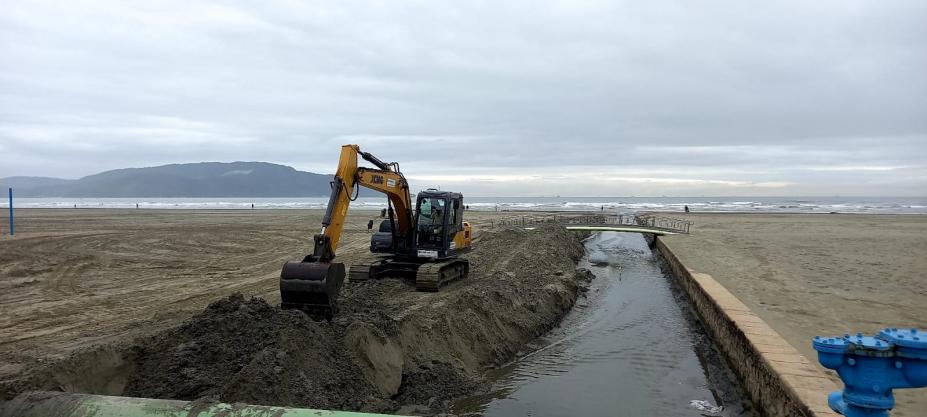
(77, 278)
(825, 274)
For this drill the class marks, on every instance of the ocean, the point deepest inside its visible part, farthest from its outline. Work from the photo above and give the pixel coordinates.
(887, 205)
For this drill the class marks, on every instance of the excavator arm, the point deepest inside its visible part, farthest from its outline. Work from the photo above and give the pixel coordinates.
(386, 179)
(313, 284)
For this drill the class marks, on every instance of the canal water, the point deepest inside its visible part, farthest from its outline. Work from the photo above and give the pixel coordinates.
(630, 347)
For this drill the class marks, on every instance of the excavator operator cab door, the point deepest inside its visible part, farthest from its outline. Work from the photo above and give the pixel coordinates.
(437, 221)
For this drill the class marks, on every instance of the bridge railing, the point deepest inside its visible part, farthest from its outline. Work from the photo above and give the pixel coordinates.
(666, 223)
(628, 220)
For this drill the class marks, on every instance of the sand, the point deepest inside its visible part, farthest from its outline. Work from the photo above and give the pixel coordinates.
(390, 346)
(826, 274)
(76, 278)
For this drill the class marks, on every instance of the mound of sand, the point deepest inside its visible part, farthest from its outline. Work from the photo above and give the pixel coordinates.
(390, 346)
(249, 351)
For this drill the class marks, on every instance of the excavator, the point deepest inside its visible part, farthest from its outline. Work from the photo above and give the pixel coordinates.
(425, 238)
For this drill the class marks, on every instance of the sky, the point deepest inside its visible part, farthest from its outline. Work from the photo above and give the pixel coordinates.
(492, 98)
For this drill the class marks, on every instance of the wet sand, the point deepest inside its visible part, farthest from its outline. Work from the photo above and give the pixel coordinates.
(808, 275)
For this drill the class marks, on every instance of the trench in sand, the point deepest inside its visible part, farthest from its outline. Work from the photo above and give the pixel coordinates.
(632, 344)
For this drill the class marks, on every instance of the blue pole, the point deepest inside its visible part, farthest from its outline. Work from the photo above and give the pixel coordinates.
(11, 211)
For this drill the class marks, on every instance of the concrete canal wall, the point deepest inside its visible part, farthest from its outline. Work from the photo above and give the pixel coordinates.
(777, 378)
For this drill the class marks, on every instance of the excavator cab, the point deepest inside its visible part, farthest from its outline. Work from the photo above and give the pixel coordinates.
(438, 221)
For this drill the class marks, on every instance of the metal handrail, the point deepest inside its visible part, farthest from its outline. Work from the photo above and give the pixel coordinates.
(632, 220)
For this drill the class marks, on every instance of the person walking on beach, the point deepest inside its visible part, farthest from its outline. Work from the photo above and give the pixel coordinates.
(687, 208)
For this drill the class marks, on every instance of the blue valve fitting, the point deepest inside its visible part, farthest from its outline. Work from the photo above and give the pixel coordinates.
(871, 367)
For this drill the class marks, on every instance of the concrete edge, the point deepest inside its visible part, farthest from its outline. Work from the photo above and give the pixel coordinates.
(777, 378)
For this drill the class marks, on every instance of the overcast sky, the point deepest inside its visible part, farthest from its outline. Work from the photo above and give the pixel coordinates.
(488, 97)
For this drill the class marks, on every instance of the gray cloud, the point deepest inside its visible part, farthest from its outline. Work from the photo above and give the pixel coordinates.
(525, 98)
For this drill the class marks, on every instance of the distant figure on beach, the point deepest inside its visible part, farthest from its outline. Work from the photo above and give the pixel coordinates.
(136, 206)
(602, 209)
(382, 213)
(370, 225)
(687, 208)
(252, 206)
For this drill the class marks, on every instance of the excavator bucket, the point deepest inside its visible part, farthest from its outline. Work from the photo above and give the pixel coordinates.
(312, 287)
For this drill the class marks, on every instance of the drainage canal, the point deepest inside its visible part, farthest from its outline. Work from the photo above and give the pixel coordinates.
(631, 347)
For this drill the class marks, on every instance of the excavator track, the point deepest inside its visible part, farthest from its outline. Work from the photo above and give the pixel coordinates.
(432, 276)
(360, 270)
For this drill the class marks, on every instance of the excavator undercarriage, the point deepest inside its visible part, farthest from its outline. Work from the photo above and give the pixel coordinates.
(428, 276)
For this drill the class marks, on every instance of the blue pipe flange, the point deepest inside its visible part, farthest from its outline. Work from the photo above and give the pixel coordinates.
(871, 367)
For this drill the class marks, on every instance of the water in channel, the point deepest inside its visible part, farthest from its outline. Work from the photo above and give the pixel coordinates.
(630, 347)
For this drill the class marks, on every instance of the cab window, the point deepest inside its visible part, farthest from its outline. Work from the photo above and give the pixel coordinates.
(431, 211)
(452, 215)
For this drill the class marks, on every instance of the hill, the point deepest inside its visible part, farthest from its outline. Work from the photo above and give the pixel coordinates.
(30, 182)
(203, 179)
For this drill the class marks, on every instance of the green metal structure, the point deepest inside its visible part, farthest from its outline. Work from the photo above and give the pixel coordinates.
(620, 228)
(63, 404)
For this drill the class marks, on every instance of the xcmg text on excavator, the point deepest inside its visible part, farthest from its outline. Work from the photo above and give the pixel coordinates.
(425, 239)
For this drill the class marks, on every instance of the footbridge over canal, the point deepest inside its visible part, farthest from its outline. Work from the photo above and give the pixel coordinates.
(634, 223)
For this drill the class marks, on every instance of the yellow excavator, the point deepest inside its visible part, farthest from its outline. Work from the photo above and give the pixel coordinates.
(423, 241)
